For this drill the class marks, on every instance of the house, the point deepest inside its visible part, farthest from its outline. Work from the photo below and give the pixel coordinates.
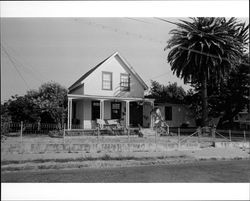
(110, 90)
(176, 115)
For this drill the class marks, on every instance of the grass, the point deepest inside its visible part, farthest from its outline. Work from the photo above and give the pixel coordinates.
(106, 157)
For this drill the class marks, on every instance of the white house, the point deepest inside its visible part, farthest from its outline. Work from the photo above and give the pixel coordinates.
(176, 115)
(110, 90)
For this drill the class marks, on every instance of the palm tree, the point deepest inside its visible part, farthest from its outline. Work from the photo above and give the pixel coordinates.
(206, 47)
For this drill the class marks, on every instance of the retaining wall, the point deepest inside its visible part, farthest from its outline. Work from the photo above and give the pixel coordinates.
(41, 148)
(232, 144)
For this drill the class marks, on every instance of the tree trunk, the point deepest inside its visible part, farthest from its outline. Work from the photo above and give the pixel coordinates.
(204, 100)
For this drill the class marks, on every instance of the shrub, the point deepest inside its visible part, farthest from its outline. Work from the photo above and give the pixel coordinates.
(56, 133)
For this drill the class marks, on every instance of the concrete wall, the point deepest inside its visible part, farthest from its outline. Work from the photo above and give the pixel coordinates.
(93, 83)
(180, 115)
(40, 148)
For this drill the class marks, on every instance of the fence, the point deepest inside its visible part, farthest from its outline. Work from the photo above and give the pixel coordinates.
(14, 129)
(17, 129)
(233, 135)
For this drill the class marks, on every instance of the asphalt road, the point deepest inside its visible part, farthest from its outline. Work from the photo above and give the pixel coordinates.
(204, 171)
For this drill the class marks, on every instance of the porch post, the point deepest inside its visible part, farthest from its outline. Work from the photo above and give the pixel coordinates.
(69, 113)
(102, 109)
(127, 114)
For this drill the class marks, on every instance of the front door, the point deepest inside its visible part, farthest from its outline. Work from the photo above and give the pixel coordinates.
(115, 110)
(136, 114)
(95, 110)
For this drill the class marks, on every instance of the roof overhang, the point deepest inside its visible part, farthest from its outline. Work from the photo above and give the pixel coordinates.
(97, 97)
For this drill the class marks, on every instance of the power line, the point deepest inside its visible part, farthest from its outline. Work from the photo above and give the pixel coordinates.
(138, 20)
(160, 42)
(157, 76)
(25, 65)
(164, 20)
(25, 68)
(127, 33)
(14, 65)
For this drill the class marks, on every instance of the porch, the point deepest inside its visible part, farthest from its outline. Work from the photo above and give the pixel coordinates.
(85, 110)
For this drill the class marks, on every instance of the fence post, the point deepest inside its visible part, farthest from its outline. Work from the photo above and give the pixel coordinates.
(155, 140)
(98, 132)
(179, 138)
(64, 133)
(128, 130)
(21, 134)
(230, 135)
(199, 133)
(198, 136)
(213, 133)
(244, 133)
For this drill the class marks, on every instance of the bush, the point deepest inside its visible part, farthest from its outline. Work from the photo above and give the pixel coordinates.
(56, 133)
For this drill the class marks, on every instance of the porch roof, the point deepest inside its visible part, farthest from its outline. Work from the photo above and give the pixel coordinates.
(97, 97)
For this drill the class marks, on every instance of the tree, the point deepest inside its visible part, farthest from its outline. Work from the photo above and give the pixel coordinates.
(205, 48)
(51, 98)
(48, 104)
(233, 94)
(228, 98)
(171, 93)
(5, 120)
(22, 108)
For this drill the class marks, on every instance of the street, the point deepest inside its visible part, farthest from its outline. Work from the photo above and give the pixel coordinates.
(204, 171)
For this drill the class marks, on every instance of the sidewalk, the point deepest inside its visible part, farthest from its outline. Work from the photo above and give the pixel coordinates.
(15, 162)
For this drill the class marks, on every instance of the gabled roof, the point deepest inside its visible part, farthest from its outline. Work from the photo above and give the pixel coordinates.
(78, 82)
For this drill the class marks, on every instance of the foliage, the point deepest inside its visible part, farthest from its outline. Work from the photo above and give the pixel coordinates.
(51, 98)
(56, 133)
(206, 48)
(5, 120)
(227, 98)
(233, 94)
(171, 93)
(48, 104)
(22, 108)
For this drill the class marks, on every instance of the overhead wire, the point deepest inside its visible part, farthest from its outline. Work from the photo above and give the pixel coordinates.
(140, 36)
(16, 68)
(27, 69)
(161, 42)
(197, 51)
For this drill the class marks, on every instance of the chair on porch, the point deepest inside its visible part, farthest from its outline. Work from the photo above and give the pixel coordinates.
(112, 125)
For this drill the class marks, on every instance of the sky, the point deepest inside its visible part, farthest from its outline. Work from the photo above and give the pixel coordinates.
(38, 50)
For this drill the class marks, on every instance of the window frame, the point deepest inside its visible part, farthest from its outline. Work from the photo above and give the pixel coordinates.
(122, 87)
(111, 80)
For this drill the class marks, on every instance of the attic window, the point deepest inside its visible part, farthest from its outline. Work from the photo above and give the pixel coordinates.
(106, 80)
(125, 82)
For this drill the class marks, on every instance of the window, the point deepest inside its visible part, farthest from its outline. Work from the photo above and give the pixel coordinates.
(168, 113)
(125, 82)
(115, 110)
(106, 80)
